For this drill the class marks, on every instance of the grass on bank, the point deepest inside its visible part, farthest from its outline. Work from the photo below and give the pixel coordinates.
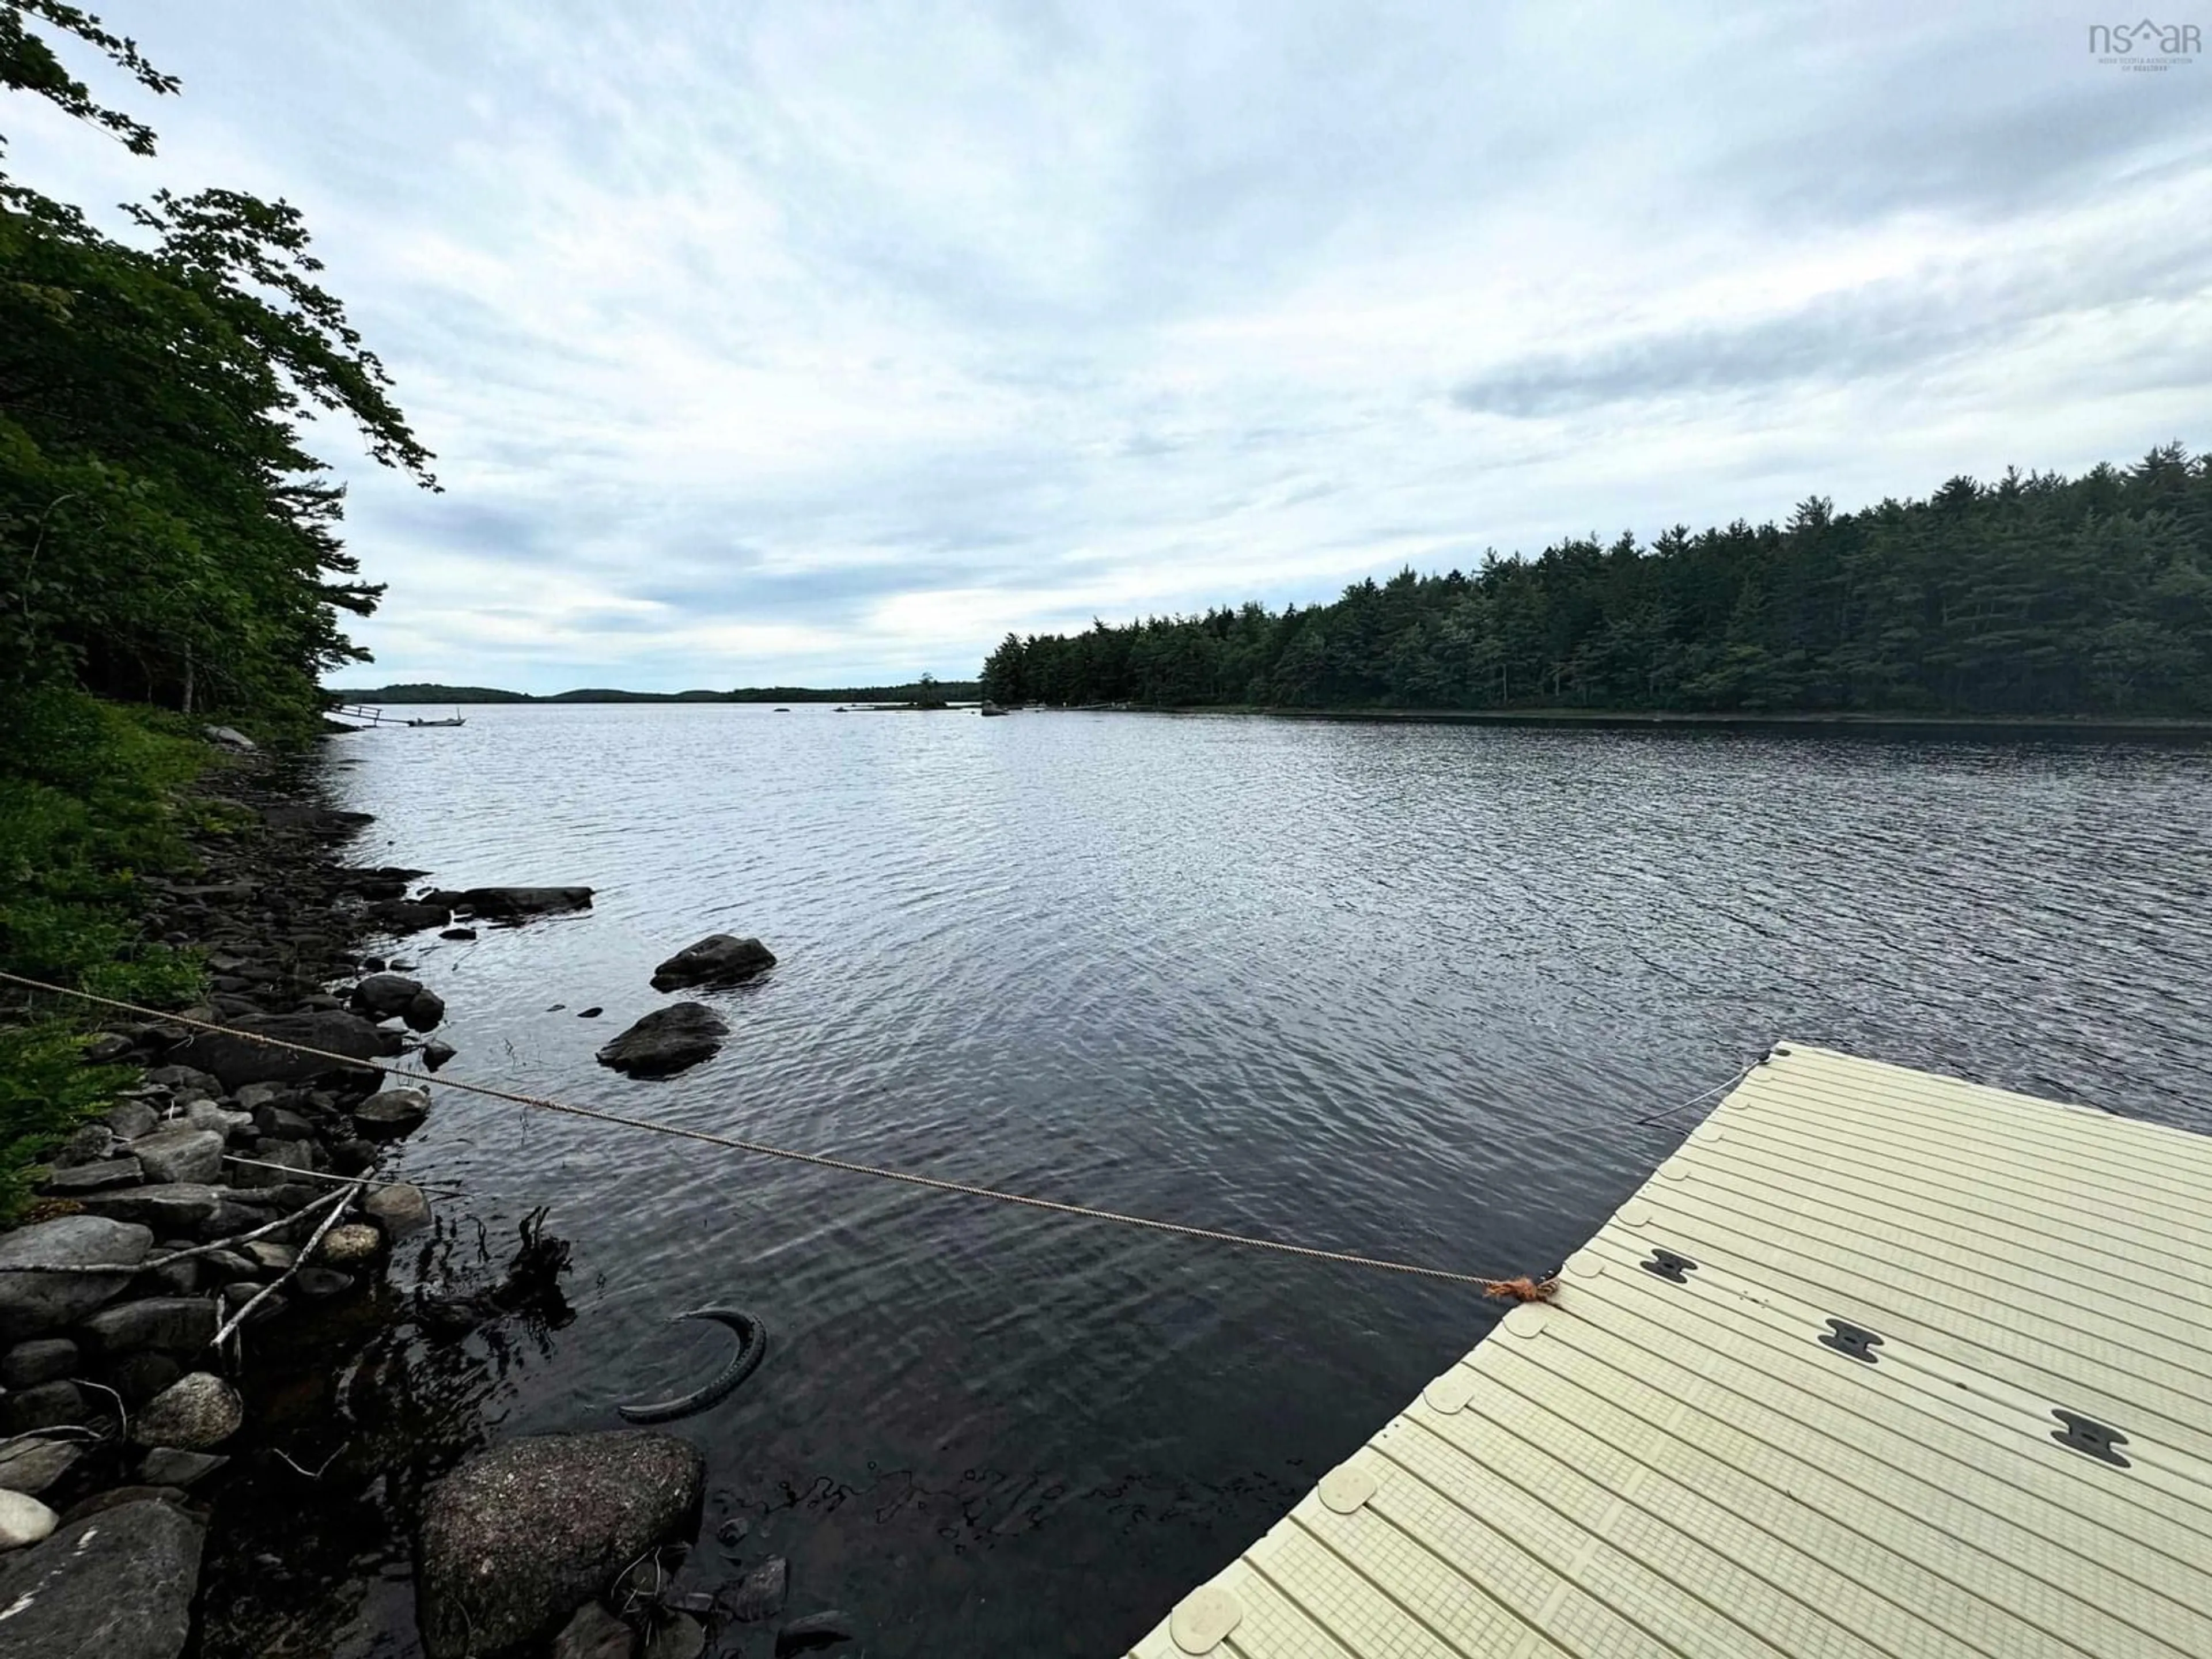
(92, 796)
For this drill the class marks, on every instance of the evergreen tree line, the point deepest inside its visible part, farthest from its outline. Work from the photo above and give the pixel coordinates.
(2036, 595)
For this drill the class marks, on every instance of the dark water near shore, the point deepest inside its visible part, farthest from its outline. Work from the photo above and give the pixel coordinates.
(1397, 990)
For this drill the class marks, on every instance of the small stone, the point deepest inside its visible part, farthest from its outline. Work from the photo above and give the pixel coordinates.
(32, 1466)
(174, 1324)
(93, 1177)
(167, 1466)
(179, 1152)
(436, 1054)
(595, 1633)
(270, 1162)
(197, 1411)
(268, 1256)
(400, 1209)
(281, 1123)
(206, 1115)
(347, 1246)
(732, 1533)
(760, 1594)
(592, 1013)
(107, 1049)
(184, 1079)
(458, 933)
(90, 1144)
(392, 1112)
(255, 1096)
(24, 1520)
(813, 1633)
(675, 1636)
(320, 1283)
(425, 1012)
(129, 1119)
(48, 1405)
(26, 1364)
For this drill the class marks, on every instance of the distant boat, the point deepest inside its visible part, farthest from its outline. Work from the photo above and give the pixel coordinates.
(994, 709)
(456, 720)
(783, 711)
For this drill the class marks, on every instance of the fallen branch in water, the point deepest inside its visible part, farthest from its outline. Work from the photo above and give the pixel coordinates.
(339, 1203)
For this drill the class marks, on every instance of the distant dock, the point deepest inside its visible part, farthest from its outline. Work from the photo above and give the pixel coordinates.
(1878, 1365)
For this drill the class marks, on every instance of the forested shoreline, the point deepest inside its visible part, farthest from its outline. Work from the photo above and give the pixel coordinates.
(2037, 595)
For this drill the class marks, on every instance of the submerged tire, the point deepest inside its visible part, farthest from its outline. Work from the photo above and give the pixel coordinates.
(752, 1346)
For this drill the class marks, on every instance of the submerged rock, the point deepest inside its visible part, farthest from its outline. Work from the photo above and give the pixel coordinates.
(115, 1585)
(400, 1209)
(718, 959)
(813, 1633)
(33, 1304)
(236, 1059)
(595, 1633)
(760, 1595)
(515, 1540)
(197, 1411)
(393, 1112)
(667, 1041)
(507, 902)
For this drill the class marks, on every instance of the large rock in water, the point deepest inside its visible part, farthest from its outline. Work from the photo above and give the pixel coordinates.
(115, 1585)
(513, 1541)
(32, 1303)
(718, 959)
(382, 995)
(237, 1060)
(510, 901)
(667, 1041)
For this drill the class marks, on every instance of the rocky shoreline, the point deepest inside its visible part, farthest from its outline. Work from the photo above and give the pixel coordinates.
(231, 1202)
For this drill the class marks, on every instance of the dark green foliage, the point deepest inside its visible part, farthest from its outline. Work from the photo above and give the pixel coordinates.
(2035, 596)
(963, 690)
(165, 544)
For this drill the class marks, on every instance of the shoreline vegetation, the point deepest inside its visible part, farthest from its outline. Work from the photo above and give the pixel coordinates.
(1827, 720)
(2037, 596)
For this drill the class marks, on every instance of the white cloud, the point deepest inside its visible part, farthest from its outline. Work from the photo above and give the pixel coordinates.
(833, 341)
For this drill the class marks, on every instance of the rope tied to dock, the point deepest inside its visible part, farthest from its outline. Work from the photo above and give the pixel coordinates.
(1518, 1289)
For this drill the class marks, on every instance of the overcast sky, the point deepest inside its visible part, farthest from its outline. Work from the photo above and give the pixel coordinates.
(824, 343)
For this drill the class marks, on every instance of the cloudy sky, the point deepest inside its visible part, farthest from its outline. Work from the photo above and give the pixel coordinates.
(819, 343)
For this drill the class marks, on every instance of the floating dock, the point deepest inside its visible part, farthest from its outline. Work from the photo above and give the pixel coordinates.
(1878, 1365)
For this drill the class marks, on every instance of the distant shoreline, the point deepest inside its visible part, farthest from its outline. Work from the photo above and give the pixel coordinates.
(2063, 724)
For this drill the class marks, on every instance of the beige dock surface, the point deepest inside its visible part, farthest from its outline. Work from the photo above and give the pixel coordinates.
(2020, 1466)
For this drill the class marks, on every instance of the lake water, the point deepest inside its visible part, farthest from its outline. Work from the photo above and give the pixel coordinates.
(1400, 990)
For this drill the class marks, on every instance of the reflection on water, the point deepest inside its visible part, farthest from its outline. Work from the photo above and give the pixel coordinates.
(1397, 990)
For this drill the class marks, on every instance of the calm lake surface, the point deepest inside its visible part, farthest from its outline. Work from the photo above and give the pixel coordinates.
(1397, 990)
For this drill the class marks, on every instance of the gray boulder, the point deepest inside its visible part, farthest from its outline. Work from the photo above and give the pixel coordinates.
(667, 1041)
(718, 959)
(33, 1304)
(381, 996)
(401, 915)
(174, 1324)
(393, 1112)
(130, 1118)
(179, 1152)
(48, 1405)
(511, 901)
(115, 1585)
(46, 1359)
(165, 1465)
(172, 1208)
(813, 1633)
(424, 1012)
(400, 1209)
(93, 1177)
(515, 1540)
(237, 1060)
(197, 1411)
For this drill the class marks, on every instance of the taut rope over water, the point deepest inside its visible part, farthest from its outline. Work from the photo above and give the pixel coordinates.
(1522, 1289)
